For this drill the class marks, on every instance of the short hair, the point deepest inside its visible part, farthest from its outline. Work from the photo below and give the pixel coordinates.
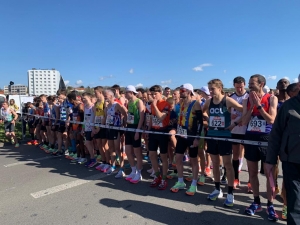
(98, 88)
(156, 88)
(170, 100)
(167, 88)
(50, 98)
(43, 95)
(110, 92)
(61, 92)
(239, 80)
(72, 96)
(291, 88)
(260, 78)
(116, 87)
(218, 83)
(87, 94)
(142, 90)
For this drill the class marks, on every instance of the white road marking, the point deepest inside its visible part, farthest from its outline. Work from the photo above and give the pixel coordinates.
(29, 161)
(66, 186)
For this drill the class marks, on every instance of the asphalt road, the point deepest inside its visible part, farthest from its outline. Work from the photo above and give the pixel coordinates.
(36, 188)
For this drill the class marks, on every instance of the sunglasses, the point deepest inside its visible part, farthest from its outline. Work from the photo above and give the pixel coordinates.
(182, 90)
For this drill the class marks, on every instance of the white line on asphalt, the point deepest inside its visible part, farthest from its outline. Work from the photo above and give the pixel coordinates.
(66, 186)
(29, 161)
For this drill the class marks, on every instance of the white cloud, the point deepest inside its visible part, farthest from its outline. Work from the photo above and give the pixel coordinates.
(164, 86)
(166, 81)
(287, 78)
(224, 71)
(295, 80)
(78, 82)
(131, 71)
(139, 85)
(106, 77)
(200, 67)
(272, 77)
(67, 82)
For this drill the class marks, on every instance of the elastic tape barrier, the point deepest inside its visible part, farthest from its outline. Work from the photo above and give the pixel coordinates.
(248, 142)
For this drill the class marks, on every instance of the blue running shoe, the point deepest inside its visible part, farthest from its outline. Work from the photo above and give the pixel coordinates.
(272, 215)
(253, 208)
(88, 163)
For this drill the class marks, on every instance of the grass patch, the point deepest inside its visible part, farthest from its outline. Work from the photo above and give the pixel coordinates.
(18, 131)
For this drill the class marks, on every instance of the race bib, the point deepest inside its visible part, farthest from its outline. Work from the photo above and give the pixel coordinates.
(109, 120)
(257, 125)
(98, 119)
(156, 122)
(216, 121)
(181, 131)
(130, 118)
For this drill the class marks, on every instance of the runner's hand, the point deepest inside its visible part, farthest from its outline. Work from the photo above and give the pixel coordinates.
(256, 99)
(136, 136)
(154, 102)
(195, 143)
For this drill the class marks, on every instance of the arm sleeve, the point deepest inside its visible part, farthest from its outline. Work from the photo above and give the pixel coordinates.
(197, 122)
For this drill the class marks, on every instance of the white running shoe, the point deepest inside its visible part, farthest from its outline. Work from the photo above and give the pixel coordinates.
(150, 170)
(138, 177)
(130, 176)
(120, 174)
(153, 174)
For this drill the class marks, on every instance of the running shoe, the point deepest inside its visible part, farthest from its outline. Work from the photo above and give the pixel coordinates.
(100, 167)
(82, 161)
(105, 168)
(172, 175)
(35, 142)
(152, 174)
(88, 163)
(236, 183)
(163, 185)
(156, 181)
(12, 141)
(127, 166)
(75, 159)
(30, 142)
(98, 158)
(178, 186)
(284, 213)
(120, 174)
(272, 215)
(250, 191)
(192, 190)
(138, 177)
(229, 200)
(58, 153)
(277, 190)
(150, 170)
(223, 180)
(201, 180)
(110, 170)
(17, 145)
(130, 176)
(253, 208)
(93, 163)
(207, 171)
(189, 178)
(215, 194)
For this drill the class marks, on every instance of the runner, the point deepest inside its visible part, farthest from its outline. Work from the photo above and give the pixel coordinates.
(135, 120)
(160, 116)
(238, 132)
(45, 128)
(31, 119)
(100, 133)
(218, 110)
(9, 117)
(190, 122)
(112, 116)
(51, 136)
(88, 120)
(258, 114)
(292, 90)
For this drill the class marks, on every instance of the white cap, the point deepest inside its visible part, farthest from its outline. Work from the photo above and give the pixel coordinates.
(189, 87)
(266, 89)
(205, 90)
(131, 88)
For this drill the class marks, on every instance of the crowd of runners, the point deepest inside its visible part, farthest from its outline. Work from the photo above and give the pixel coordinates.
(68, 125)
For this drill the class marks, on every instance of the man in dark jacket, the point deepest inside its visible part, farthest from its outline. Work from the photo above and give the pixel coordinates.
(285, 141)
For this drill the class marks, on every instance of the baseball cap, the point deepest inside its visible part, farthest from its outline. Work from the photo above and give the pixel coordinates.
(189, 87)
(205, 90)
(131, 88)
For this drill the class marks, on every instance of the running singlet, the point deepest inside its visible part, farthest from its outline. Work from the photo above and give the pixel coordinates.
(46, 111)
(133, 116)
(77, 117)
(185, 120)
(164, 107)
(147, 114)
(99, 108)
(88, 118)
(63, 112)
(113, 118)
(257, 124)
(177, 109)
(53, 115)
(219, 119)
(236, 115)
(6, 115)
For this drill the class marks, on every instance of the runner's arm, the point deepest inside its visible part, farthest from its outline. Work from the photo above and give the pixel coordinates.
(123, 110)
(271, 115)
(141, 108)
(160, 115)
(15, 115)
(197, 120)
(231, 103)
(246, 113)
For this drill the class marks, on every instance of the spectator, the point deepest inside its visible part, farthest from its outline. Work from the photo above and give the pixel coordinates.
(13, 105)
(284, 142)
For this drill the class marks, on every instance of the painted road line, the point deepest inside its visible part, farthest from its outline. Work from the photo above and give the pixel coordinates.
(68, 185)
(29, 161)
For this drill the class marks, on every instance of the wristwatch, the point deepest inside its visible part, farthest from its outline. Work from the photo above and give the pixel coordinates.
(259, 107)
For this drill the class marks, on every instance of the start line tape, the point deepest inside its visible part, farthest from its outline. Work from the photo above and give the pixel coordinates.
(248, 142)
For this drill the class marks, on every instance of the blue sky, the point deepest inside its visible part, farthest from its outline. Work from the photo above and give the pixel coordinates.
(168, 42)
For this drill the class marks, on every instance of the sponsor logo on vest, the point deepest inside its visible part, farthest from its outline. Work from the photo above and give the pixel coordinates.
(215, 111)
